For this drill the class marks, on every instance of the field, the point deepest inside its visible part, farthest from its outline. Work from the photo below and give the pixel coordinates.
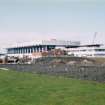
(22, 88)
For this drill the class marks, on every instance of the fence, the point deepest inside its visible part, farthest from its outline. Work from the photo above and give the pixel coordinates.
(95, 72)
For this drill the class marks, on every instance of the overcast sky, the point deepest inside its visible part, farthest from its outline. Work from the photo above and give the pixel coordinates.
(31, 20)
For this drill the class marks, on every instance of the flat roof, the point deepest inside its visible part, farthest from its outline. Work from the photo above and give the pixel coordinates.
(45, 42)
(87, 45)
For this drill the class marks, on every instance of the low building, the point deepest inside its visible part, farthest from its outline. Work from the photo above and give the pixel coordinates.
(95, 50)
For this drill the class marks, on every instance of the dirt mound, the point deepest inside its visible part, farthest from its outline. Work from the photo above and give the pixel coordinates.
(66, 60)
(87, 62)
(57, 61)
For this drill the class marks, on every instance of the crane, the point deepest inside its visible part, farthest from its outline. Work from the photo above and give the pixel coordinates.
(95, 34)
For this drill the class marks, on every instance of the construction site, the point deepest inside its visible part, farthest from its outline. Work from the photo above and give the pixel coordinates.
(27, 53)
(57, 57)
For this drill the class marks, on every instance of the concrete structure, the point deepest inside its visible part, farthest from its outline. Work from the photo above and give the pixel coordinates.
(60, 42)
(95, 50)
(34, 48)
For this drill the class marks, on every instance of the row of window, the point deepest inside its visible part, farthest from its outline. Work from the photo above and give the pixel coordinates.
(25, 50)
(31, 49)
(99, 49)
(87, 50)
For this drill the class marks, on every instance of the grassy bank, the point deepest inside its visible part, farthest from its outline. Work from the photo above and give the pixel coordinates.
(19, 88)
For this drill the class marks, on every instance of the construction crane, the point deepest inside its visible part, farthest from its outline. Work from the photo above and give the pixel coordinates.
(95, 34)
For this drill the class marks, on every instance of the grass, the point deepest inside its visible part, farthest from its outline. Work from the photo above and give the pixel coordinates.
(21, 88)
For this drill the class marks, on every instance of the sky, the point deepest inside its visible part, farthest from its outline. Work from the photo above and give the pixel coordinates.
(32, 20)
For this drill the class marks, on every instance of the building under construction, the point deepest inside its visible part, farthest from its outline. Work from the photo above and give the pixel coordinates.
(36, 49)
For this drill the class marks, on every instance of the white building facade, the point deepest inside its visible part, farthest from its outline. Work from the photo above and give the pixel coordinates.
(87, 51)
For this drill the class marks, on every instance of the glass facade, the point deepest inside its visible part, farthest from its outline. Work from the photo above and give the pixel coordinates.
(30, 49)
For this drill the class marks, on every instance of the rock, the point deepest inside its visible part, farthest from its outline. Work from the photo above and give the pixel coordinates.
(86, 62)
(71, 63)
